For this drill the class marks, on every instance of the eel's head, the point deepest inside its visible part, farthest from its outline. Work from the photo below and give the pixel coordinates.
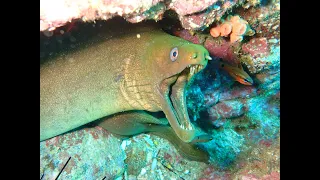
(177, 61)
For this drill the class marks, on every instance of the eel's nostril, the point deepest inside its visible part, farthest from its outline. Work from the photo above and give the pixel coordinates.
(194, 56)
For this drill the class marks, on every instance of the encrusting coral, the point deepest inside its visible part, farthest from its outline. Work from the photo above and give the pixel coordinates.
(233, 25)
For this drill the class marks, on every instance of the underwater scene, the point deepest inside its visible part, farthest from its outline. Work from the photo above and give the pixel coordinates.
(160, 89)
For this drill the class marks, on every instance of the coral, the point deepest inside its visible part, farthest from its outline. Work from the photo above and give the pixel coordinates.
(106, 159)
(233, 25)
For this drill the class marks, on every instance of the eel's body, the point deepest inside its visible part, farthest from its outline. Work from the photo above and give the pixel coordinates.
(135, 122)
(120, 74)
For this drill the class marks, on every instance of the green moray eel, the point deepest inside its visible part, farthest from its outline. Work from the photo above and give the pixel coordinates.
(127, 72)
(135, 122)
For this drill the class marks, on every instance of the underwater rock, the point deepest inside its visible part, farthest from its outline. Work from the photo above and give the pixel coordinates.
(256, 161)
(187, 35)
(237, 92)
(151, 157)
(193, 14)
(261, 162)
(94, 154)
(185, 7)
(265, 19)
(256, 47)
(264, 112)
(221, 48)
(203, 19)
(56, 13)
(211, 97)
(257, 63)
(225, 147)
(269, 80)
(195, 102)
(211, 173)
(226, 109)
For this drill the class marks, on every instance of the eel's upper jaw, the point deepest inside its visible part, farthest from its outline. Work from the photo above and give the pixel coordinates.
(194, 69)
(197, 67)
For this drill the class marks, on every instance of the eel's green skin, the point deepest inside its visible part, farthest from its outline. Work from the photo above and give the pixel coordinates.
(135, 122)
(116, 75)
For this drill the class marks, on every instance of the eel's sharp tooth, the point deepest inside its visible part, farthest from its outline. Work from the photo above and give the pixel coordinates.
(192, 70)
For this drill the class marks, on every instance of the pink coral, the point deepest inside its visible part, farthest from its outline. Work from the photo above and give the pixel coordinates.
(234, 25)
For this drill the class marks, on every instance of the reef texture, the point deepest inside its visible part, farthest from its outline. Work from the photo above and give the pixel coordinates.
(193, 14)
(94, 154)
(243, 120)
(151, 157)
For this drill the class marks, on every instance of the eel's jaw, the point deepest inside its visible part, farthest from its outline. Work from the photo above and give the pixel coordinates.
(174, 105)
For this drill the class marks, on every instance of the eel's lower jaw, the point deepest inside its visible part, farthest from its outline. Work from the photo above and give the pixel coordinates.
(174, 105)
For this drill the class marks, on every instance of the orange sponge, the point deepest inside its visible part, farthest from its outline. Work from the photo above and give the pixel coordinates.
(235, 26)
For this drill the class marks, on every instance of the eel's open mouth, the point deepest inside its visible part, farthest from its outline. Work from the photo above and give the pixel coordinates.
(174, 104)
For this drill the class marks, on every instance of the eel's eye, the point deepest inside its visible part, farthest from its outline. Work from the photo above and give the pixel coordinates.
(174, 54)
(246, 80)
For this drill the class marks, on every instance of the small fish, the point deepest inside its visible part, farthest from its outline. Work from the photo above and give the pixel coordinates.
(237, 73)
